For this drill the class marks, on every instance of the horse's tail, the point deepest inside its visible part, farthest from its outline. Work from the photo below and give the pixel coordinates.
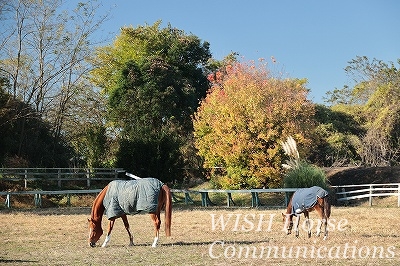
(168, 209)
(327, 206)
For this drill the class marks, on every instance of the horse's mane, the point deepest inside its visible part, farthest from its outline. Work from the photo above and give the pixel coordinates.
(98, 207)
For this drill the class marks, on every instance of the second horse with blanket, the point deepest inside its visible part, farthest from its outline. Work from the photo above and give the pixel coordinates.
(305, 200)
(121, 197)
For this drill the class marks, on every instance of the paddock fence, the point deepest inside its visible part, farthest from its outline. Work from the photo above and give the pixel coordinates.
(59, 175)
(349, 193)
(207, 197)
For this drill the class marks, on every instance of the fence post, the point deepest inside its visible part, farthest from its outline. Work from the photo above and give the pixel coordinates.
(88, 178)
(255, 200)
(346, 202)
(229, 200)
(59, 178)
(398, 196)
(68, 200)
(188, 198)
(8, 201)
(370, 195)
(26, 178)
(286, 199)
(38, 200)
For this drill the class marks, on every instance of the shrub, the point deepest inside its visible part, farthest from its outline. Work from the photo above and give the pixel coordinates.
(305, 175)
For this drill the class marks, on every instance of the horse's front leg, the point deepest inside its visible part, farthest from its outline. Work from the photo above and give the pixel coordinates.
(296, 225)
(109, 229)
(157, 222)
(126, 223)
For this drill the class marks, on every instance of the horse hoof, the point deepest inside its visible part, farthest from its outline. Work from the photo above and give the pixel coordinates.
(91, 244)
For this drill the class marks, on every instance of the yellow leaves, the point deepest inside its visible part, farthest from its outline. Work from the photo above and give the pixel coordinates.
(249, 112)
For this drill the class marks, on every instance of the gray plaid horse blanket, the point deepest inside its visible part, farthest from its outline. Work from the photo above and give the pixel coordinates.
(131, 196)
(305, 198)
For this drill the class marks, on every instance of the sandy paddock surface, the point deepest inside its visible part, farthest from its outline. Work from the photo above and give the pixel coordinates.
(202, 236)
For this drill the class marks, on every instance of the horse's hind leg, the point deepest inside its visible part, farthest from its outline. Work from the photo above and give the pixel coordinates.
(306, 215)
(325, 222)
(319, 226)
(109, 229)
(126, 224)
(157, 222)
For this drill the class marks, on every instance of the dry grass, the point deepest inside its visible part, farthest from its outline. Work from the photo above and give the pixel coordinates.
(59, 237)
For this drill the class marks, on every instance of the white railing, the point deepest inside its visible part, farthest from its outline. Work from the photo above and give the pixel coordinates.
(354, 192)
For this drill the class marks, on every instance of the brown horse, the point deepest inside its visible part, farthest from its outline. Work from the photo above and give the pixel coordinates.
(156, 198)
(305, 201)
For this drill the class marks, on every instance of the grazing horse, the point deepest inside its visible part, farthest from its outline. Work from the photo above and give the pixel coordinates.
(306, 200)
(121, 197)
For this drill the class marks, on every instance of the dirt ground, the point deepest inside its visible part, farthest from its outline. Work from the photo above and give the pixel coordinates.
(202, 236)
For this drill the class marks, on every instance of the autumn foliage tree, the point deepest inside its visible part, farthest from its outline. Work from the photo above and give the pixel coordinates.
(240, 124)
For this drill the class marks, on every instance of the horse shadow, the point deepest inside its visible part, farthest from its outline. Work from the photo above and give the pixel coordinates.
(11, 261)
(200, 243)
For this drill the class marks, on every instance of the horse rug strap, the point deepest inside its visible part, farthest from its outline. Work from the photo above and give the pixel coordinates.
(131, 196)
(306, 198)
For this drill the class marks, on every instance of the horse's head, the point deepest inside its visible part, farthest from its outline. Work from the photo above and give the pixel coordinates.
(95, 232)
(288, 222)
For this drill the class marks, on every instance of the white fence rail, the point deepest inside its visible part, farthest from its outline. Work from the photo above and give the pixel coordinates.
(354, 192)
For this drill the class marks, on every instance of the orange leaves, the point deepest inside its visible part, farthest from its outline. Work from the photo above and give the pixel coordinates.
(243, 118)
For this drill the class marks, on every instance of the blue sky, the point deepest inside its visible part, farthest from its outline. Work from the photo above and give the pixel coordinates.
(309, 39)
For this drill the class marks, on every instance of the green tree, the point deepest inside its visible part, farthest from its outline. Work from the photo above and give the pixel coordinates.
(154, 78)
(241, 121)
(373, 102)
(336, 138)
(37, 147)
